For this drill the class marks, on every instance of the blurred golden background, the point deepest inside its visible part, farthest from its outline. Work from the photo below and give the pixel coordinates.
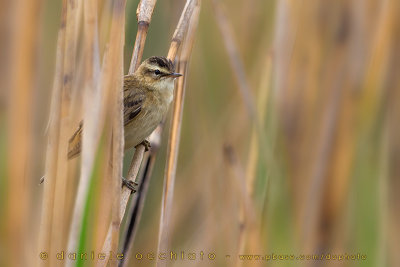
(290, 138)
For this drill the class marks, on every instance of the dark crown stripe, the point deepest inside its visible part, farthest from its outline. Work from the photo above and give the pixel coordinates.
(162, 62)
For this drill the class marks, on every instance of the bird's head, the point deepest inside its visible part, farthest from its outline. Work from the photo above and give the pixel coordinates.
(157, 72)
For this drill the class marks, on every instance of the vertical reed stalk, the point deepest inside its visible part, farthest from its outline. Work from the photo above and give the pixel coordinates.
(115, 115)
(53, 143)
(262, 99)
(245, 90)
(58, 230)
(19, 133)
(174, 137)
(135, 211)
(234, 59)
(144, 14)
(155, 139)
(91, 134)
(249, 219)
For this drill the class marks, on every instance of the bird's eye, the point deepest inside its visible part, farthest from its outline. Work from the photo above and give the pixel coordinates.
(157, 72)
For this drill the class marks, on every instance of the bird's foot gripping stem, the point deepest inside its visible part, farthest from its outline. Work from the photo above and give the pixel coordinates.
(146, 144)
(129, 184)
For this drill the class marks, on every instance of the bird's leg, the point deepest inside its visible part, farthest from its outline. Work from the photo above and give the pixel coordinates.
(146, 144)
(129, 184)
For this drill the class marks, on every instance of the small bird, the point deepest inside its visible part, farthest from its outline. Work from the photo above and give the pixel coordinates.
(147, 96)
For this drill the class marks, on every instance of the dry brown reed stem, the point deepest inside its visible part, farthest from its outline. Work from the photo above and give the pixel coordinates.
(242, 80)
(135, 212)
(53, 142)
(240, 179)
(177, 39)
(182, 27)
(329, 140)
(59, 226)
(132, 173)
(384, 193)
(254, 154)
(136, 208)
(390, 195)
(91, 134)
(115, 115)
(21, 81)
(174, 136)
(249, 218)
(319, 177)
(108, 101)
(323, 176)
(125, 194)
(252, 221)
(253, 159)
(234, 58)
(144, 13)
(264, 90)
(155, 137)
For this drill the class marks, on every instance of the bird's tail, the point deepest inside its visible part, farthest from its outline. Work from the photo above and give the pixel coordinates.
(75, 142)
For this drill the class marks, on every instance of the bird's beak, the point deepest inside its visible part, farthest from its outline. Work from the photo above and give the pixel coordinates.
(175, 75)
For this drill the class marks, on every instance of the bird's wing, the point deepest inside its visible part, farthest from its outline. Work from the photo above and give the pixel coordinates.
(133, 102)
